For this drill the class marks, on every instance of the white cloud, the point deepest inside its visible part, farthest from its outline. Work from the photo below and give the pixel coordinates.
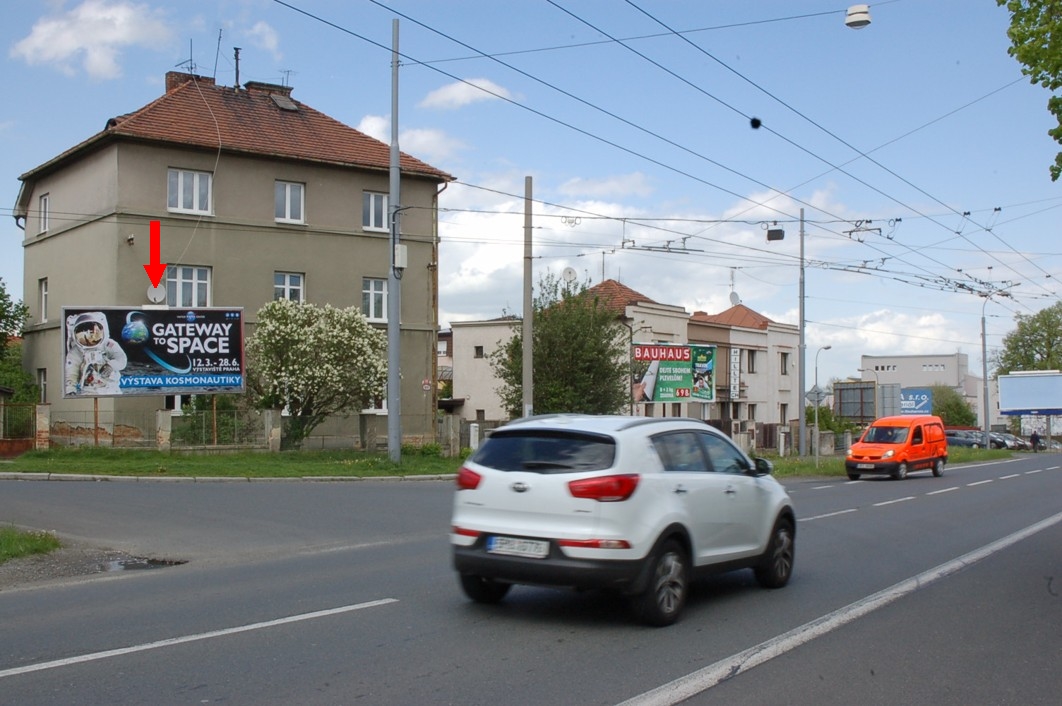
(92, 34)
(431, 146)
(265, 37)
(460, 94)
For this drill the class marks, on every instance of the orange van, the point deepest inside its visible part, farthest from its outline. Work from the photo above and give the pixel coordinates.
(895, 445)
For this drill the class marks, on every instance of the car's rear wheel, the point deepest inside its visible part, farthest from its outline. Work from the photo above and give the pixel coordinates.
(938, 467)
(483, 590)
(776, 566)
(901, 471)
(669, 584)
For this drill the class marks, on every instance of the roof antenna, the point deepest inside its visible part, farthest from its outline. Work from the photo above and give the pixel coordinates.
(237, 50)
(217, 51)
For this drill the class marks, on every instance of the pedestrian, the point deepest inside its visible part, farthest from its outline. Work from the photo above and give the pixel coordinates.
(1035, 441)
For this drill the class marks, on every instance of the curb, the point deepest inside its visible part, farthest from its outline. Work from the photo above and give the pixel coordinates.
(78, 477)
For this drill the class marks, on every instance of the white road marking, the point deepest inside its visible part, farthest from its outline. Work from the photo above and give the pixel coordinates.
(980, 482)
(828, 514)
(191, 638)
(1038, 470)
(892, 502)
(703, 679)
(943, 490)
(1012, 475)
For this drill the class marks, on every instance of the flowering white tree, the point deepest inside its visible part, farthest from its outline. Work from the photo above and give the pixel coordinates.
(315, 361)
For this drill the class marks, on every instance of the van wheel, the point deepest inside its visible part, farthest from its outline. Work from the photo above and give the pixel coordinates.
(853, 476)
(938, 467)
(901, 471)
(669, 579)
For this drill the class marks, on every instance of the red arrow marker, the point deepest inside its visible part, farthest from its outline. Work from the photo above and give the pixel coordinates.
(156, 269)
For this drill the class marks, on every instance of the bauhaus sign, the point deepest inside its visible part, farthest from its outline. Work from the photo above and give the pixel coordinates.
(114, 351)
(674, 373)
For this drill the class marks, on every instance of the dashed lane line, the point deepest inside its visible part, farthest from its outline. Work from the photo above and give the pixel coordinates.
(170, 642)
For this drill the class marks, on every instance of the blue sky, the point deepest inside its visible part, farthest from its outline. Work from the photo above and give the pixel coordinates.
(916, 149)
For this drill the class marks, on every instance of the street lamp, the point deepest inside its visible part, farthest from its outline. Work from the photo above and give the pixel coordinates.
(817, 401)
(877, 384)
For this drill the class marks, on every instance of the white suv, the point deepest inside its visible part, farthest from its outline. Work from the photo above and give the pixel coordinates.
(637, 504)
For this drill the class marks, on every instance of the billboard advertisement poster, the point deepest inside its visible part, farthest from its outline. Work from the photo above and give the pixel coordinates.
(916, 400)
(674, 373)
(119, 351)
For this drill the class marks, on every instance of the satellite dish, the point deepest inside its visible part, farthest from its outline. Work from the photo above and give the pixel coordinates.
(734, 298)
(156, 295)
(569, 274)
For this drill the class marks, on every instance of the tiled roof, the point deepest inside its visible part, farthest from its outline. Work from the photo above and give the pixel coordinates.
(261, 119)
(617, 297)
(739, 315)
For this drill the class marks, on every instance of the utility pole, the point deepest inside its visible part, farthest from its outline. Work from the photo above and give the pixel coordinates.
(394, 277)
(527, 331)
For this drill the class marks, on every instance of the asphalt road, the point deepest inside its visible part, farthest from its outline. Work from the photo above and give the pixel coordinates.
(931, 590)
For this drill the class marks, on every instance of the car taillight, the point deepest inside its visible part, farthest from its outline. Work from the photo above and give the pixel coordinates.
(605, 489)
(595, 543)
(468, 479)
(464, 532)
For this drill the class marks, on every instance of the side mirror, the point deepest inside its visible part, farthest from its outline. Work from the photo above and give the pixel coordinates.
(763, 467)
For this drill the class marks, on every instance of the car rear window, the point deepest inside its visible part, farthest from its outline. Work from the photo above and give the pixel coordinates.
(546, 451)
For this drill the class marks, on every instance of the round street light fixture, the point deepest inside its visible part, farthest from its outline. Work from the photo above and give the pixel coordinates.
(858, 16)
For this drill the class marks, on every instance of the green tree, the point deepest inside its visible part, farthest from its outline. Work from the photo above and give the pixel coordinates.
(1036, 343)
(580, 351)
(1036, 42)
(13, 317)
(316, 362)
(951, 407)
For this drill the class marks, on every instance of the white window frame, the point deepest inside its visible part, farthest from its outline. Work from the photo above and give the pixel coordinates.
(379, 406)
(44, 213)
(42, 298)
(175, 199)
(374, 298)
(287, 194)
(189, 286)
(284, 287)
(374, 211)
(42, 384)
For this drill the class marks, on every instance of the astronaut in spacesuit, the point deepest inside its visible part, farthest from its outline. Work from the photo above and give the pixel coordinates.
(94, 360)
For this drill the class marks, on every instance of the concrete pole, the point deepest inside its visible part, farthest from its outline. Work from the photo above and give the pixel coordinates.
(527, 331)
(394, 281)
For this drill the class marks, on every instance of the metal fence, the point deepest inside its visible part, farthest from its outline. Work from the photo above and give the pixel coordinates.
(217, 428)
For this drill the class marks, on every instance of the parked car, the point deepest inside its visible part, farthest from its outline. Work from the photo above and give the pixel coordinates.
(998, 441)
(962, 437)
(638, 505)
(896, 445)
(1016, 442)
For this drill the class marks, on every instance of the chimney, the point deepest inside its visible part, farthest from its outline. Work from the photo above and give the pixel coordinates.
(267, 88)
(176, 79)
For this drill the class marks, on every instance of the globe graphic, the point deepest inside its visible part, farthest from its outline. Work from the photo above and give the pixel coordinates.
(135, 332)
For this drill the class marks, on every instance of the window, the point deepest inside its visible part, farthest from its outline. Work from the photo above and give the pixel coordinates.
(681, 452)
(188, 286)
(289, 202)
(783, 413)
(42, 298)
(374, 211)
(752, 412)
(752, 361)
(377, 406)
(724, 456)
(441, 349)
(374, 299)
(478, 352)
(785, 363)
(188, 192)
(43, 212)
(42, 385)
(289, 285)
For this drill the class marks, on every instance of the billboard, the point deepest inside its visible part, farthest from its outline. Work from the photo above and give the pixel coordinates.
(116, 351)
(1030, 393)
(674, 373)
(916, 400)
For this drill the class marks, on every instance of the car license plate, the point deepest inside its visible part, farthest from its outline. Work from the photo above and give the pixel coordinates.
(513, 546)
(869, 466)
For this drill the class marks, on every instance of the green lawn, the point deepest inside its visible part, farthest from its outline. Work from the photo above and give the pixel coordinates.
(339, 464)
(15, 543)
